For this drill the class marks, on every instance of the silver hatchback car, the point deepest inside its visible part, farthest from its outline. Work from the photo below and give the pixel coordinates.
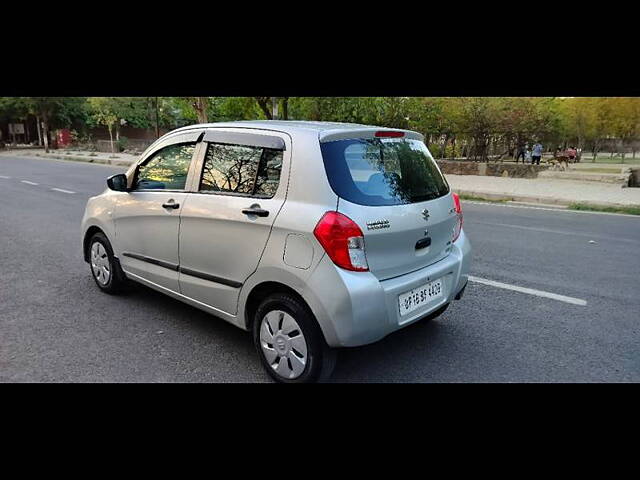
(312, 235)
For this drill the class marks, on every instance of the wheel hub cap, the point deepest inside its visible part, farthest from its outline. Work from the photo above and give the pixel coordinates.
(100, 263)
(283, 344)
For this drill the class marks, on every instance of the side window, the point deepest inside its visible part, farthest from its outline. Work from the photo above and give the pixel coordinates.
(167, 169)
(244, 170)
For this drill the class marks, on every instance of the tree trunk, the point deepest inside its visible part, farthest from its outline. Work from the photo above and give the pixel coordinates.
(157, 119)
(285, 108)
(38, 127)
(263, 104)
(200, 105)
(444, 147)
(111, 137)
(45, 133)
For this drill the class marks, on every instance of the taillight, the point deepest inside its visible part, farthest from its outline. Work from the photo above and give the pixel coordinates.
(343, 241)
(458, 228)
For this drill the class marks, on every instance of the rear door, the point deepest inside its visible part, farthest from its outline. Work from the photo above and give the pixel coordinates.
(226, 222)
(392, 188)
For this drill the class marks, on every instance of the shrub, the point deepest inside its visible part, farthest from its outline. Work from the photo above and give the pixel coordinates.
(435, 149)
(122, 143)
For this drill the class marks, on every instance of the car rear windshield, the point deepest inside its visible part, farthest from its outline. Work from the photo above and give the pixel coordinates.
(382, 171)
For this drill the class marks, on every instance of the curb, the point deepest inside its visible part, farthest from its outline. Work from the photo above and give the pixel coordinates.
(543, 201)
(102, 161)
(71, 158)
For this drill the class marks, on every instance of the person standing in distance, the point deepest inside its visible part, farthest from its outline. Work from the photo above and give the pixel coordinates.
(536, 154)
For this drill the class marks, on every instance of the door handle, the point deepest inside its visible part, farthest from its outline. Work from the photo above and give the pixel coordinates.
(171, 204)
(256, 211)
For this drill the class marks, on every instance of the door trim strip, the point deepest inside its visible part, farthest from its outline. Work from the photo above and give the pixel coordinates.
(186, 271)
(211, 278)
(154, 261)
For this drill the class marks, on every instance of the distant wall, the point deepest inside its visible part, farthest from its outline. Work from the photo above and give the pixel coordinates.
(491, 169)
(133, 133)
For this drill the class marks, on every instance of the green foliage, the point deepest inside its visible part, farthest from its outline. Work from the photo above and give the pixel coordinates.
(122, 143)
(598, 208)
(436, 150)
(473, 126)
(473, 198)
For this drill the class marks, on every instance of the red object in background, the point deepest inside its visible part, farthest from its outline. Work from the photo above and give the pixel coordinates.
(63, 137)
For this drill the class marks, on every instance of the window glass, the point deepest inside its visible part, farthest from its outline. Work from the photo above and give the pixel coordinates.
(269, 173)
(242, 170)
(167, 169)
(384, 171)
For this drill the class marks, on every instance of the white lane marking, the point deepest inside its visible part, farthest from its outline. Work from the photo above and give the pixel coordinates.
(62, 190)
(4, 176)
(530, 291)
(560, 209)
(29, 183)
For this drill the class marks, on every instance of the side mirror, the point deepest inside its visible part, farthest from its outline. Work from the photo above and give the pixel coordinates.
(117, 182)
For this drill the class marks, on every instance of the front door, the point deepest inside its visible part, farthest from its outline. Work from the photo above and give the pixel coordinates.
(226, 224)
(148, 217)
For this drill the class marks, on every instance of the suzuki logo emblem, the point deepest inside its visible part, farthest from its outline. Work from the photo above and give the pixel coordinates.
(425, 214)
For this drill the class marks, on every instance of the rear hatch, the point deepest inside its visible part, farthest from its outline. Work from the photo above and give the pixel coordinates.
(393, 189)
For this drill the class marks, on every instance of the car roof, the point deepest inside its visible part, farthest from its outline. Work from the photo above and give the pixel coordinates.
(293, 126)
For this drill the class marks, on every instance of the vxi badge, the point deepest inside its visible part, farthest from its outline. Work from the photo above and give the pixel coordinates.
(378, 224)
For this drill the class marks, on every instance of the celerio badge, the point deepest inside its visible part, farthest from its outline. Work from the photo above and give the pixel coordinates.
(378, 224)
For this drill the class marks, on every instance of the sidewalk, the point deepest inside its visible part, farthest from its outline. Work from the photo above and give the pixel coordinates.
(544, 190)
(118, 159)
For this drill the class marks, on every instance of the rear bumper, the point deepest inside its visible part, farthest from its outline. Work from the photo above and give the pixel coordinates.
(355, 308)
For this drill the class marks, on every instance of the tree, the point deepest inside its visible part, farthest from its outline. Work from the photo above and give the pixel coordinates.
(267, 106)
(263, 103)
(105, 111)
(625, 121)
(45, 108)
(478, 118)
(200, 105)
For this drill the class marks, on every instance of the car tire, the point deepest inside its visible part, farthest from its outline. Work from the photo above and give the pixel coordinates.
(105, 268)
(289, 341)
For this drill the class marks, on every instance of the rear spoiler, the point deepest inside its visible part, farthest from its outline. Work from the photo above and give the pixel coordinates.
(333, 135)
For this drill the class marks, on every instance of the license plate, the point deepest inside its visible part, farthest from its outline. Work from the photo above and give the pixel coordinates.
(414, 299)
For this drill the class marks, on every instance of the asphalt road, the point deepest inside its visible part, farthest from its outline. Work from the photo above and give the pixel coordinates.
(56, 326)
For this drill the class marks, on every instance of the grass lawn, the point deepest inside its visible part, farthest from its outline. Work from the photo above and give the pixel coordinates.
(596, 208)
(481, 199)
(607, 159)
(596, 170)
